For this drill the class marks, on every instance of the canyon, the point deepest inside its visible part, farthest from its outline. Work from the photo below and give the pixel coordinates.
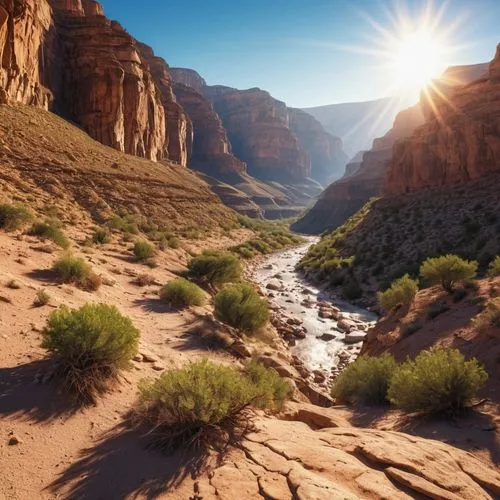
(372, 173)
(260, 156)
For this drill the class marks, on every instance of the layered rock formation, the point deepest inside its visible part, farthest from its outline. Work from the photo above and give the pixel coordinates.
(325, 150)
(459, 141)
(24, 26)
(258, 129)
(66, 56)
(346, 196)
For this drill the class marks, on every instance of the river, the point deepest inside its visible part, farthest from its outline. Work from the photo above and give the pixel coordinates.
(299, 299)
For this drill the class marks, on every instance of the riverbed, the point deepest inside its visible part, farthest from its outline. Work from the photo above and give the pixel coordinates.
(298, 299)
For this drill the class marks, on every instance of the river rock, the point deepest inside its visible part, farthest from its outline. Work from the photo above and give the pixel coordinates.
(354, 337)
(327, 337)
(275, 286)
(346, 325)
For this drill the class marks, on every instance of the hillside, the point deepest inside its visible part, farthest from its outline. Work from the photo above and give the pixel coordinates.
(47, 161)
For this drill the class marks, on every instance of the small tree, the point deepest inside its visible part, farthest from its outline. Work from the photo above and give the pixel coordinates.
(447, 270)
(240, 306)
(366, 381)
(402, 292)
(91, 345)
(437, 381)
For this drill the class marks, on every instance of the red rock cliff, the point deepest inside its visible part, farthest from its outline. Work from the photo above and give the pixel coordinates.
(24, 26)
(258, 128)
(459, 141)
(66, 56)
(346, 196)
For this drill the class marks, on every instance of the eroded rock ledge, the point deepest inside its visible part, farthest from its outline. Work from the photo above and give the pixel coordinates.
(287, 460)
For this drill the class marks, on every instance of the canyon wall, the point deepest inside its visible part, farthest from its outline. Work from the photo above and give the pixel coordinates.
(24, 27)
(363, 180)
(460, 140)
(64, 55)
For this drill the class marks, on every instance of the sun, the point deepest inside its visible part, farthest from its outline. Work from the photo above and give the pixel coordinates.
(418, 59)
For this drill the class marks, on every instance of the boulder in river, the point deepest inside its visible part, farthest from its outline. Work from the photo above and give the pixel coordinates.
(275, 285)
(354, 337)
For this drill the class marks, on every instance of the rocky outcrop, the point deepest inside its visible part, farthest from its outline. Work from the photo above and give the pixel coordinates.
(460, 140)
(346, 196)
(24, 26)
(325, 151)
(285, 460)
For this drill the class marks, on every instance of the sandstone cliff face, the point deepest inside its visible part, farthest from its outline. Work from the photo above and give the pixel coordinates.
(459, 141)
(211, 152)
(325, 151)
(259, 132)
(346, 196)
(23, 28)
(66, 56)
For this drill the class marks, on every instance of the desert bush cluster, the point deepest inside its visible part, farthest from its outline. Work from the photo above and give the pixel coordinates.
(438, 381)
(204, 404)
(49, 230)
(14, 217)
(75, 270)
(215, 268)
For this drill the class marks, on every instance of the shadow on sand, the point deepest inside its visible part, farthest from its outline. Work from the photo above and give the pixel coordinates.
(21, 395)
(121, 465)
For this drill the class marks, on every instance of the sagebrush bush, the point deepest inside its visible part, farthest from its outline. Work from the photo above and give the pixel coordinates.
(490, 316)
(437, 381)
(71, 269)
(402, 292)
(14, 217)
(215, 268)
(272, 389)
(101, 237)
(494, 267)
(143, 250)
(447, 270)
(49, 231)
(366, 381)
(181, 293)
(241, 307)
(42, 298)
(91, 345)
(204, 404)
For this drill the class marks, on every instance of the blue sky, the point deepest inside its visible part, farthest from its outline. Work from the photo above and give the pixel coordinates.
(299, 50)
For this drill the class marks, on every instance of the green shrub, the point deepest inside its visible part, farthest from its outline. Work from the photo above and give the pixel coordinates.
(143, 250)
(215, 268)
(181, 293)
(447, 270)
(91, 345)
(13, 217)
(42, 298)
(437, 381)
(366, 381)
(49, 231)
(71, 269)
(101, 237)
(494, 267)
(489, 316)
(402, 292)
(126, 224)
(241, 307)
(203, 403)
